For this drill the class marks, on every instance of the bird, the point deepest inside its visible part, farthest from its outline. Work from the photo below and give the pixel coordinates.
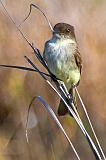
(63, 59)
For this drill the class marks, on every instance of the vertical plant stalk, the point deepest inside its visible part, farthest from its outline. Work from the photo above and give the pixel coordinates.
(92, 128)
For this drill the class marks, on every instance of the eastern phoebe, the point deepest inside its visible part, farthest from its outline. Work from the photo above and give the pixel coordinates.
(63, 59)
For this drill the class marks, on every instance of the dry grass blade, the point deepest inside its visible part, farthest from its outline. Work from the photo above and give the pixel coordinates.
(23, 68)
(55, 119)
(37, 7)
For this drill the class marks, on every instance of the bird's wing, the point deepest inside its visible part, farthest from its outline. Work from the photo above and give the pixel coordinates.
(78, 59)
(46, 48)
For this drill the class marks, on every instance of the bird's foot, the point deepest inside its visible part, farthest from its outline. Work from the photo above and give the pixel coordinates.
(74, 85)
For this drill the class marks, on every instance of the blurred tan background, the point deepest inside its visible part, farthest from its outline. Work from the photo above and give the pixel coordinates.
(17, 88)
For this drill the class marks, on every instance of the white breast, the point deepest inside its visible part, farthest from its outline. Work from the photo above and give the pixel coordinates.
(59, 57)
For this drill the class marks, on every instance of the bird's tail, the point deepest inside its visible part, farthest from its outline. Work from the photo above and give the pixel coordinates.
(62, 109)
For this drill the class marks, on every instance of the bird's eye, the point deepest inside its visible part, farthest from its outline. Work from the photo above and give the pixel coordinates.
(68, 29)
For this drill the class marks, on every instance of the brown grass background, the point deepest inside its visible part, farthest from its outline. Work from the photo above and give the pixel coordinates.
(18, 87)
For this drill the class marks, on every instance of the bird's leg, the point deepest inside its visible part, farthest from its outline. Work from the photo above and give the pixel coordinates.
(74, 85)
(74, 95)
